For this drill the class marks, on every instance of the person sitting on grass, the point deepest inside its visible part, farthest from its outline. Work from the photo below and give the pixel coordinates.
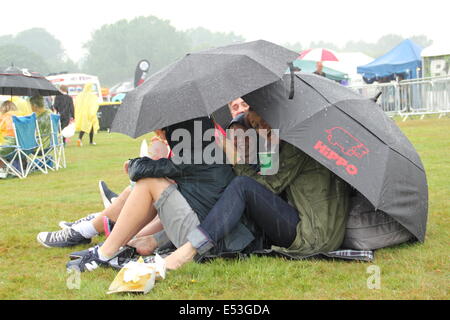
(43, 119)
(7, 110)
(312, 219)
(197, 188)
(84, 229)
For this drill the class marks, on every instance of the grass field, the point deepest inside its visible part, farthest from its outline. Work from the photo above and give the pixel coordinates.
(30, 271)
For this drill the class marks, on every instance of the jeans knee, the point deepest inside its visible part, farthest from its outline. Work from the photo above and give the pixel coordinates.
(241, 182)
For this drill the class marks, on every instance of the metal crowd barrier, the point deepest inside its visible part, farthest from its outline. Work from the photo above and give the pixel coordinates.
(411, 97)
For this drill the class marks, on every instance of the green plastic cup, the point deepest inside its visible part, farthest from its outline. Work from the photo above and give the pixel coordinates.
(265, 162)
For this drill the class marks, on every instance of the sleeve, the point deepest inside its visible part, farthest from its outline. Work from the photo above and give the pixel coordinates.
(292, 160)
(71, 107)
(55, 105)
(145, 167)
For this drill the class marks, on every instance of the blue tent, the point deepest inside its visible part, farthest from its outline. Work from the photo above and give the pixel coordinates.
(402, 60)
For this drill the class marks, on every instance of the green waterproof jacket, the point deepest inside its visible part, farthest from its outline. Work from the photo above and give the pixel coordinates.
(320, 197)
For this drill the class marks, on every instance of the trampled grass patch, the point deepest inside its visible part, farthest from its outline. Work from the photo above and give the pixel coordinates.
(38, 203)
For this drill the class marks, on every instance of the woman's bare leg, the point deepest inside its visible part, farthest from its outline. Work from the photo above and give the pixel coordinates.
(153, 227)
(135, 213)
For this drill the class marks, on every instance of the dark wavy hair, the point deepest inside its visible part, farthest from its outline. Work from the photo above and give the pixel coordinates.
(197, 144)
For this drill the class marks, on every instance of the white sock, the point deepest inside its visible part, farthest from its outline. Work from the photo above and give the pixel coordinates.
(86, 228)
(101, 256)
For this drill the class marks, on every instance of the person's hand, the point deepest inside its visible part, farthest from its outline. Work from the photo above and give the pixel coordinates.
(125, 166)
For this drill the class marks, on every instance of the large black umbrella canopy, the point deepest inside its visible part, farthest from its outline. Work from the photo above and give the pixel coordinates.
(200, 83)
(351, 136)
(16, 82)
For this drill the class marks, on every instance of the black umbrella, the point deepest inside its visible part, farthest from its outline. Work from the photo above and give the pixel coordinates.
(351, 136)
(200, 83)
(16, 82)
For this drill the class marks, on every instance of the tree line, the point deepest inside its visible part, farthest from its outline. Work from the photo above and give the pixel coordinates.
(114, 49)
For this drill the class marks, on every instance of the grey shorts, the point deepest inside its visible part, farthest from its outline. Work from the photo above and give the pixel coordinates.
(177, 217)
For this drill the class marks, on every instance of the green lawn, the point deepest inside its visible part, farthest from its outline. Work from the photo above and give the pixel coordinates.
(30, 271)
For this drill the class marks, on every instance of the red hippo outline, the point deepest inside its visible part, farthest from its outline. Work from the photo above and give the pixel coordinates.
(359, 149)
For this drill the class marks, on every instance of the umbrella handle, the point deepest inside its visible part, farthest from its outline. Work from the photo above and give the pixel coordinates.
(291, 70)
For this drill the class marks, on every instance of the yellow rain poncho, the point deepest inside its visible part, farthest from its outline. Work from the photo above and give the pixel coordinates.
(86, 107)
(7, 131)
(23, 106)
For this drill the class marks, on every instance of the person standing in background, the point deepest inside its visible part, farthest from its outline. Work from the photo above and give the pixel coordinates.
(86, 107)
(319, 67)
(64, 106)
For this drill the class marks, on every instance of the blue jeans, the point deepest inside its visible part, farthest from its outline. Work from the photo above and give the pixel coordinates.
(270, 212)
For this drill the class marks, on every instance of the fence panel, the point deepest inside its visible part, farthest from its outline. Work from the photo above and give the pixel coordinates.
(411, 97)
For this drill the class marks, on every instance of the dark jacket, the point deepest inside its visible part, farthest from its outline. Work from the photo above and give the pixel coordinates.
(64, 106)
(200, 184)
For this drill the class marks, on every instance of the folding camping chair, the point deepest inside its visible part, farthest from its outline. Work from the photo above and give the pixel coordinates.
(28, 145)
(11, 161)
(54, 155)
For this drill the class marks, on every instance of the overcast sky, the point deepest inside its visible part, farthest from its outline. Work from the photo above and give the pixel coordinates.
(278, 21)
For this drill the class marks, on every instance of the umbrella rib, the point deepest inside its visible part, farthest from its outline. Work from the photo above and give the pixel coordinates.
(195, 85)
(243, 55)
(229, 54)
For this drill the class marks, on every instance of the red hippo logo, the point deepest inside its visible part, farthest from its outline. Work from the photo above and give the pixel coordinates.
(348, 144)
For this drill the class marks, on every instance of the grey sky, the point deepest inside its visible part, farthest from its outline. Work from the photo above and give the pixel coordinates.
(279, 21)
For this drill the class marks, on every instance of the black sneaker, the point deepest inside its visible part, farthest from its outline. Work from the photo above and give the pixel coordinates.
(63, 238)
(80, 254)
(124, 254)
(89, 261)
(106, 194)
(66, 224)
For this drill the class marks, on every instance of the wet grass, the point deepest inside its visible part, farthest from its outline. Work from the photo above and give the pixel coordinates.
(30, 271)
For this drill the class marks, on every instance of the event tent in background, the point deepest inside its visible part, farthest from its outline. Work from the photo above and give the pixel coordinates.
(404, 60)
(436, 60)
(348, 64)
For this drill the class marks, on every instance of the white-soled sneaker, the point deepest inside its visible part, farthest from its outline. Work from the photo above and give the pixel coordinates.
(88, 262)
(66, 224)
(60, 239)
